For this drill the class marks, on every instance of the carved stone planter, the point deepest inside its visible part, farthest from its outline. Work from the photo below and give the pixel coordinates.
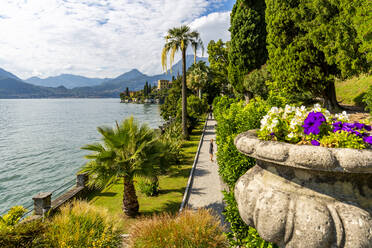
(306, 196)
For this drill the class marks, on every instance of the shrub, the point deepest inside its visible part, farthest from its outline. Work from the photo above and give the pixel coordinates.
(234, 117)
(10, 219)
(149, 187)
(23, 235)
(367, 99)
(255, 82)
(240, 233)
(188, 230)
(82, 225)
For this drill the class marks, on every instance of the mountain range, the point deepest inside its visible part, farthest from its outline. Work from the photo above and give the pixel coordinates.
(68, 85)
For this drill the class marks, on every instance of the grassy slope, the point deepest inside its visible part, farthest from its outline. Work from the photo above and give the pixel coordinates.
(172, 187)
(351, 91)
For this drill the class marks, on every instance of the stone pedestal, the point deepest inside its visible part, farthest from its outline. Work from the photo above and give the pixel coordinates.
(42, 203)
(306, 196)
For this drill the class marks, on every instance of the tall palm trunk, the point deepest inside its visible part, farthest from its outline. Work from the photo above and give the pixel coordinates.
(184, 97)
(130, 200)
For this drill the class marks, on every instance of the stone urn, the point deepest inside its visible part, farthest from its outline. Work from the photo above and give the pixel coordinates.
(306, 196)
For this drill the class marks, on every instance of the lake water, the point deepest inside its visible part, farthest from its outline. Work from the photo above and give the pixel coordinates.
(40, 141)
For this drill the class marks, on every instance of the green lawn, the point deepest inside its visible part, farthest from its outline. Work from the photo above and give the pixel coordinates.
(172, 186)
(351, 91)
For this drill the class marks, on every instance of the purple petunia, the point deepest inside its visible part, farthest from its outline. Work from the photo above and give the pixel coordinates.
(368, 139)
(312, 123)
(337, 126)
(315, 143)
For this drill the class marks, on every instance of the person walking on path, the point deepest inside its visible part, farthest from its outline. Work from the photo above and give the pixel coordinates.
(211, 149)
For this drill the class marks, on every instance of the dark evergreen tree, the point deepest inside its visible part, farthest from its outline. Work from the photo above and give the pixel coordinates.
(145, 89)
(247, 49)
(127, 91)
(310, 43)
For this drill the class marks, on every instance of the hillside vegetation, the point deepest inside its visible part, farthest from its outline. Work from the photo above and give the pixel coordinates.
(351, 91)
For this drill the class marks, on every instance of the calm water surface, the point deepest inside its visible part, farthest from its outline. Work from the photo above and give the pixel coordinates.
(40, 141)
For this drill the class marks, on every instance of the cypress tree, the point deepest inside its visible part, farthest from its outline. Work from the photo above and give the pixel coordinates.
(127, 91)
(247, 49)
(145, 89)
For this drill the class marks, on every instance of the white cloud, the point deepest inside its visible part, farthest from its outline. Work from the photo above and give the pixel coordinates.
(213, 27)
(97, 38)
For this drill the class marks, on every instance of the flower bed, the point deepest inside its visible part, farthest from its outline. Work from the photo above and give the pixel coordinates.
(315, 126)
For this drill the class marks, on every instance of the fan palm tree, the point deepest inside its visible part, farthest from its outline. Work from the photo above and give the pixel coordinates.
(179, 38)
(127, 150)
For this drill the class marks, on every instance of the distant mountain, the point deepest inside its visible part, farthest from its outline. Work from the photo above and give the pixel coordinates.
(6, 74)
(67, 80)
(13, 87)
(135, 80)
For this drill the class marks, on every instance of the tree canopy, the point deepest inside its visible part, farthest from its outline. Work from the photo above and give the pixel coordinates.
(310, 43)
(247, 49)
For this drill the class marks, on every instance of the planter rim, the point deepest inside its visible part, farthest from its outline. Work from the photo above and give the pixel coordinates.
(305, 156)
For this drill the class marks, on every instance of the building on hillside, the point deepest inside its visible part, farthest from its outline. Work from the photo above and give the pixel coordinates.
(131, 93)
(164, 84)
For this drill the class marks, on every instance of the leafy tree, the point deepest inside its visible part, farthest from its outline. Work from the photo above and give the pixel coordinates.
(247, 50)
(310, 43)
(180, 38)
(169, 109)
(363, 22)
(218, 62)
(127, 150)
(198, 76)
(255, 82)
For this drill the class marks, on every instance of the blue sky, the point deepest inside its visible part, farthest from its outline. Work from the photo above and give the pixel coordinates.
(99, 38)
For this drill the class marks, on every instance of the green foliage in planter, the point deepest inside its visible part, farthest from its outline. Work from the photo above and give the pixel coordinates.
(233, 117)
(343, 140)
(247, 48)
(367, 99)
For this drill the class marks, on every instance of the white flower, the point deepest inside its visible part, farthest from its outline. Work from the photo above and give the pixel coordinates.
(275, 122)
(343, 116)
(293, 123)
(299, 113)
(264, 120)
(317, 108)
(274, 110)
(287, 109)
(303, 108)
(290, 135)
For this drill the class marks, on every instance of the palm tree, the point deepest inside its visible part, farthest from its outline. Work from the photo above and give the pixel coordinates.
(180, 38)
(198, 77)
(127, 150)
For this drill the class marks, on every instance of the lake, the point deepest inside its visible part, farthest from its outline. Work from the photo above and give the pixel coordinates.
(40, 141)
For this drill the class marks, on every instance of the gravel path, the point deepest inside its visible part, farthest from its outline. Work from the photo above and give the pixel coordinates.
(206, 186)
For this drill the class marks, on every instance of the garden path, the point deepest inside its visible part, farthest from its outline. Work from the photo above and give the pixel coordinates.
(206, 185)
